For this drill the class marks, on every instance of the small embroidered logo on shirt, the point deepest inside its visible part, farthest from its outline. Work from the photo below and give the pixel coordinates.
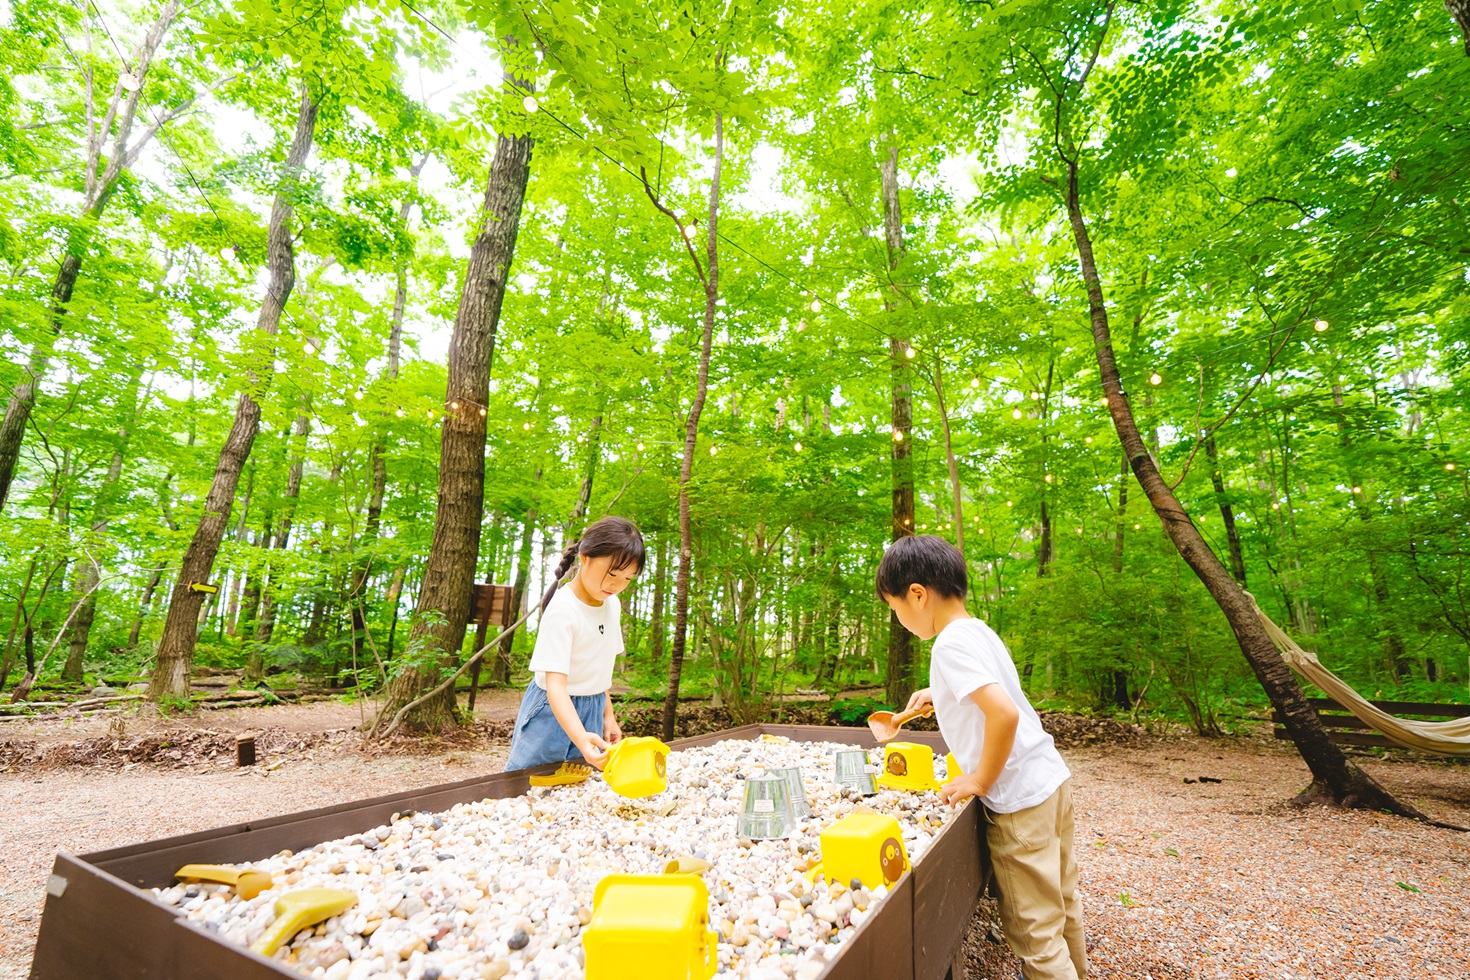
(601, 628)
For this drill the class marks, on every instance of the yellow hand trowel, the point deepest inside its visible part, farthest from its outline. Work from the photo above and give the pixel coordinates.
(300, 909)
(569, 773)
(247, 883)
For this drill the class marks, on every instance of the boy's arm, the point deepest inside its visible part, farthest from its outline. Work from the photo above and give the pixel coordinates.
(1001, 719)
(591, 746)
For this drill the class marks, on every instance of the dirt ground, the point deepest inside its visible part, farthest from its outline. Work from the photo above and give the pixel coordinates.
(1180, 878)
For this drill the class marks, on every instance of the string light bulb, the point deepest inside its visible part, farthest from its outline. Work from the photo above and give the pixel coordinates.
(800, 325)
(482, 413)
(530, 103)
(1010, 503)
(798, 446)
(816, 305)
(974, 382)
(898, 435)
(1048, 478)
(910, 352)
(1319, 326)
(310, 348)
(1155, 379)
(454, 406)
(399, 413)
(1015, 413)
(1450, 467)
(1088, 440)
(527, 427)
(1138, 527)
(690, 231)
(640, 447)
(1357, 489)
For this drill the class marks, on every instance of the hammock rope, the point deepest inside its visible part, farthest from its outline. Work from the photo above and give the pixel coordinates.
(1441, 737)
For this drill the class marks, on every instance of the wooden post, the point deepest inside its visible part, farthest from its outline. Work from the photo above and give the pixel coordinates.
(490, 605)
(245, 750)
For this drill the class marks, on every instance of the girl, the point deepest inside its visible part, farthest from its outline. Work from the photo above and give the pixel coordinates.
(566, 712)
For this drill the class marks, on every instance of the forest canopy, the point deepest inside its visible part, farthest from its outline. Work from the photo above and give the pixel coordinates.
(804, 272)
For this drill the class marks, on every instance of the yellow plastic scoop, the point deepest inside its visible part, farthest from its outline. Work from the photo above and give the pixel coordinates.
(570, 772)
(247, 882)
(300, 909)
(686, 864)
(885, 724)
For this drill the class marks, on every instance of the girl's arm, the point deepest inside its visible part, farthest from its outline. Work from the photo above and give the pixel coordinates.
(592, 747)
(611, 730)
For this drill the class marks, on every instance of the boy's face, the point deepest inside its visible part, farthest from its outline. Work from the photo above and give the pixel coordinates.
(914, 610)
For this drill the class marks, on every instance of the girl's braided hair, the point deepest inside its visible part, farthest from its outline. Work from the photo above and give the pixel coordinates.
(614, 537)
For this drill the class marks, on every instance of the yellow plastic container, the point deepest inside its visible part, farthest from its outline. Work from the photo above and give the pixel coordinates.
(951, 768)
(864, 845)
(637, 766)
(908, 766)
(650, 927)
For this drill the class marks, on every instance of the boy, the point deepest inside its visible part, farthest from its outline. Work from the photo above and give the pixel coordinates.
(1008, 760)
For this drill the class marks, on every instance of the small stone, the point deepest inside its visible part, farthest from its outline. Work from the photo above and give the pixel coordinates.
(494, 970)
(430, 973)
(740, 935)
(584, 914)
(855, 884)
(746, 843)
(518, 939)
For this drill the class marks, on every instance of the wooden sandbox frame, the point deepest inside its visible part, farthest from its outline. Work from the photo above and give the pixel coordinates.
(101, 923)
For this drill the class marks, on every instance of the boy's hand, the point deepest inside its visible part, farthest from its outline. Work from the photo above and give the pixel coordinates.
(961, 788)
(594, 751)
(611, 729)
(919, 698)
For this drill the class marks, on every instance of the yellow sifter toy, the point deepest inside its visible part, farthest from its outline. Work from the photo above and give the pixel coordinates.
(637, 766)
(864, 845)
(650, 927)
(908, 766)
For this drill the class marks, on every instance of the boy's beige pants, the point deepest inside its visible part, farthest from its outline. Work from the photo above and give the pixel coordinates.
(1036, 869)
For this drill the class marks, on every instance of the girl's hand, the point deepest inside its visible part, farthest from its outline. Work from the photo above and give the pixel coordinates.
(920, 697)
(961, 788)
(594, 751)
(611, 730)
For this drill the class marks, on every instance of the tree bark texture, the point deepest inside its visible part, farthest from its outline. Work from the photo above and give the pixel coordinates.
(1333, 776)
(691, 437)
(444, 599)
(899, 678)
(1460, 11)
(176, 647)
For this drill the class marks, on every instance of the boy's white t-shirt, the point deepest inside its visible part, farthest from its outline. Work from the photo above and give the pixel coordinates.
(967, 656)
(578, 640)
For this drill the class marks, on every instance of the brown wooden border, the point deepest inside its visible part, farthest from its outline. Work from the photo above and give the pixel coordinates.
(100, 922)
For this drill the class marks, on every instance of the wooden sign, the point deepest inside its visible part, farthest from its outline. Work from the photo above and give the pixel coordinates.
(491, 606)
(203, 587)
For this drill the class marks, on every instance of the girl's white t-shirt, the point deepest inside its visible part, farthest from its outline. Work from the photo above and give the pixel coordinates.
(578, 640)
(968, 656)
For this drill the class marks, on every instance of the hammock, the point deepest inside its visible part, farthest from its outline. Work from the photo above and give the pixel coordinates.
(1442, 737)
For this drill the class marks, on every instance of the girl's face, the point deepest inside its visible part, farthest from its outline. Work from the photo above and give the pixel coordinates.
(600, 580)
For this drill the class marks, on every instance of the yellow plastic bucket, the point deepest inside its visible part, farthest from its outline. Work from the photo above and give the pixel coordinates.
(908, 766)
(951, 768)
(637, 766)
(864, 845)
(650, 927)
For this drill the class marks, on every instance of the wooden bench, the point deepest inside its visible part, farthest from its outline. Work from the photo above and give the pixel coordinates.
(1347, 729)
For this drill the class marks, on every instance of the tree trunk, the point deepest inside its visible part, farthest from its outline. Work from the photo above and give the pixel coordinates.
(900, 668)
(176, 647)
(656, 627)
(1227, 513)
(1333, 776)
(1460, 11)
(100, 182)
(691, 435)
(379, 451)
(270, 591)
(444, 600)
(500, 674)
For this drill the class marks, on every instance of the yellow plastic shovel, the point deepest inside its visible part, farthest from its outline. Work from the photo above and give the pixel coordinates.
(299, 909)
(247, 882)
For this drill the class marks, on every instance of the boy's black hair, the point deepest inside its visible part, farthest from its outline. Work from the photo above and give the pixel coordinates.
(924, 560)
